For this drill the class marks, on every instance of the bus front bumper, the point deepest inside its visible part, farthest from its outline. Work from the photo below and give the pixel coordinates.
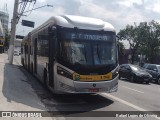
(88, 87)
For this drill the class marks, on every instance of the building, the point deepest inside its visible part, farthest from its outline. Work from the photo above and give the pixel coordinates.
(126, 57)
(1, 39)
(1, 29)
(4, 18)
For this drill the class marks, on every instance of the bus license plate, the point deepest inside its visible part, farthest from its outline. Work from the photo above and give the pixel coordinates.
(93, 90)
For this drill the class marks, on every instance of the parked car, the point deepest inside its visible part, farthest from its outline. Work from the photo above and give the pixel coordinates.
(154, 70)
(17, 52)
(134, 73)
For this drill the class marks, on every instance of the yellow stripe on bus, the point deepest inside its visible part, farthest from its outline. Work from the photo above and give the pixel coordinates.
(89, 78)
(1, 45)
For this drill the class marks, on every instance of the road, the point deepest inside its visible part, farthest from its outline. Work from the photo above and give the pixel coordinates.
(130, 97)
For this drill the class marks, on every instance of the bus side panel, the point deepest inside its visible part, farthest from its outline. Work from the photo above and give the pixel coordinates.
(28, 58)
(22, 54)
(25, 55)
(29, 51)
(32, 55)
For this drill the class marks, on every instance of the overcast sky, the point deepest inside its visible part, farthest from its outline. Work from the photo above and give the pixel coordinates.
(117, 12)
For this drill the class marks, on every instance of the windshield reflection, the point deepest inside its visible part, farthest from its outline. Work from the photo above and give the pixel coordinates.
(76, 52)
(136, 68)
(87, 53)
(104, 53)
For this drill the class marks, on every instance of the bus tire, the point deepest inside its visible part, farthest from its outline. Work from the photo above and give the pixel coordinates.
(158, 80)
(22, 61)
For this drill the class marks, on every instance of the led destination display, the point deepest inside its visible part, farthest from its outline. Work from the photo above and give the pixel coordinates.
(84, 36)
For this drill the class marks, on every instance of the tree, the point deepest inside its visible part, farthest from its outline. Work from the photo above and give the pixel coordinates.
(150, 39)
(121, 48)
(144, 39)
(7, 39)
(130, 33)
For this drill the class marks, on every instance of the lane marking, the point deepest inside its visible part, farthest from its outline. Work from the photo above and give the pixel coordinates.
(133, 89)
(126, 103)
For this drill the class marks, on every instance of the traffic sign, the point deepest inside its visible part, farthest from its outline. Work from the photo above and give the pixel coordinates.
(28, 23)
(19, 36)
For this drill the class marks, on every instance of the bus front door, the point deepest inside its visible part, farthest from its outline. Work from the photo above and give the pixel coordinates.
(52, 45)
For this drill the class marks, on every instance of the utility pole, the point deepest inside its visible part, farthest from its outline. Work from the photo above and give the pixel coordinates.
(13, 31)
(15, 19)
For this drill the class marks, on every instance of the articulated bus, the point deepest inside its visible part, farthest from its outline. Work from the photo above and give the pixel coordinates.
(73, 54)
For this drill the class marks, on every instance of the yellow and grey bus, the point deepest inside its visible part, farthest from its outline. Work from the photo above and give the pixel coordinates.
(73, 54)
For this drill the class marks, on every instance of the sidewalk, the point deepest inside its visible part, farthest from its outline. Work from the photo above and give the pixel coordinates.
(16, 93)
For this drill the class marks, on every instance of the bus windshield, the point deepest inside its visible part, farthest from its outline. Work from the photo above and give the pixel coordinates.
(97, 53)
(89, 51)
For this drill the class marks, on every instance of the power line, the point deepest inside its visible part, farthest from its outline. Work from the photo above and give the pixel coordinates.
(38, 8)
(29, 5)
(31, 9)
(24, 6)
(22, 10)
(20, 7)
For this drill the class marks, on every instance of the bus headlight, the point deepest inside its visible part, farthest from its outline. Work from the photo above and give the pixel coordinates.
(115, 73)
(64, 73)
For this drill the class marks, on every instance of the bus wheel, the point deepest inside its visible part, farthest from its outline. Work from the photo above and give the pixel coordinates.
(158, 81)
(22, 61)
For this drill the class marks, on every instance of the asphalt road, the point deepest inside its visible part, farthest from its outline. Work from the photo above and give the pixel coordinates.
(130, 97)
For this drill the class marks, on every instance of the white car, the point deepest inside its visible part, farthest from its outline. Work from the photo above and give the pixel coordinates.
(17, 53)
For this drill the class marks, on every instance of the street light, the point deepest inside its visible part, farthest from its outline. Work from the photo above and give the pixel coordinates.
(38, 8)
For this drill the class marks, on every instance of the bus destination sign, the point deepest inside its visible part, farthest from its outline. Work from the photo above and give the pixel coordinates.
(81, 36)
